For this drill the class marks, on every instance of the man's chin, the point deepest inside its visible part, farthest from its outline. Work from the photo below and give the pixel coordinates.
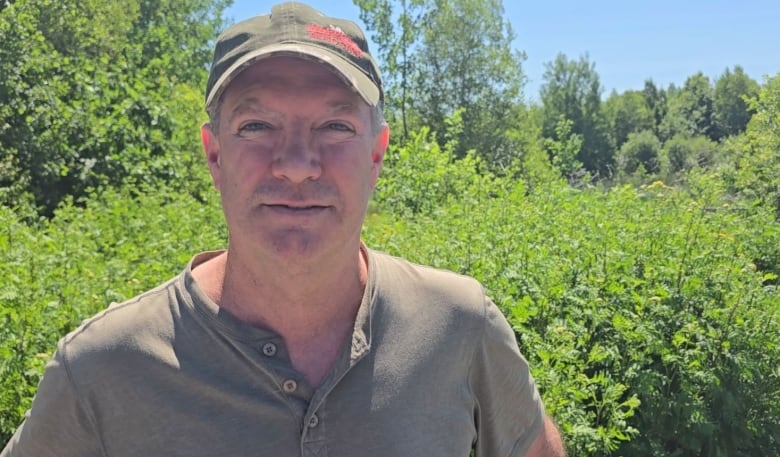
(296, 243)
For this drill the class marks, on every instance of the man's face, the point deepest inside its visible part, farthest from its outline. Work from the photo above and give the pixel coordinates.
(295, 159)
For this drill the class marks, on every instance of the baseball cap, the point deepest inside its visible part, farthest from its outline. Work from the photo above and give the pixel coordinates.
(299, 30)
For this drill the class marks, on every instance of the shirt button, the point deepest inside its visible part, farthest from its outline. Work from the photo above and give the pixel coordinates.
(269, 349)
(314, 421)
(289, 386)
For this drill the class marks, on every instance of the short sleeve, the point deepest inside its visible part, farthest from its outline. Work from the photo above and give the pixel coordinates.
(56, 424)
(509, 412)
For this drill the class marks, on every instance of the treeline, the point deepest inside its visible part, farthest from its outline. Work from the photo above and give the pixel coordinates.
(633, 240)
(441, 57)
(86, 107)
(654, 131)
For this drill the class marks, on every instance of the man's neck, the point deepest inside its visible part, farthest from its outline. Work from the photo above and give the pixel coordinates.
(289, 298)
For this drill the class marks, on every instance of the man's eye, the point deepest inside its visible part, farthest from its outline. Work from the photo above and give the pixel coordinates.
(338, 126)
(253, 127)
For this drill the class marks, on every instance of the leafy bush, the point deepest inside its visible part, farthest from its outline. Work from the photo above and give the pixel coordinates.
(640, 152)
(420, 176)
(682, 154)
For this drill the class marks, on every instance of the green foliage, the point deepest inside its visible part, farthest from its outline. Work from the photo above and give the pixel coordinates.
(627, 113)
(572, 90)
(731, 112)
(754, 169)
(649, 324)
(444, 56)
(533, 163)
(563, 150)
(60, 271)
(682, 154)
(174, 37)
(395, 36)
(420, 176)
(656, 102)
(639, 154)
(84, 106)
(690, 110)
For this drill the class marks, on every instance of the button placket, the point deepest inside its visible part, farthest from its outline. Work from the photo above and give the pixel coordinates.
(313, 439)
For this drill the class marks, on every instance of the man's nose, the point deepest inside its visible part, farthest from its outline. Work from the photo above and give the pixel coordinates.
(297, 161)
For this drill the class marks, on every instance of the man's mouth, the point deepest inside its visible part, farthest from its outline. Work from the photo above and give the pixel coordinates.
(296, 208)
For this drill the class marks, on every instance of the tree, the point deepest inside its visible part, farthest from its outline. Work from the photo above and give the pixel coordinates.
(572, 90)
(730, 105)
(755, 169)
(563, 151)
(690, 110)
(655, 100)
(395, 53)
(84, 106)
(627, 113)
(449, 55)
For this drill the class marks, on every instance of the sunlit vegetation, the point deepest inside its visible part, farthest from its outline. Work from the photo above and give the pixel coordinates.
(632, 239)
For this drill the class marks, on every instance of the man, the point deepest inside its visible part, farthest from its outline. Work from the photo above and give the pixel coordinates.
(298, 339)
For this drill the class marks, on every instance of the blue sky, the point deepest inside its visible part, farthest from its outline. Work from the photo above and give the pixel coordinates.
(629, 41)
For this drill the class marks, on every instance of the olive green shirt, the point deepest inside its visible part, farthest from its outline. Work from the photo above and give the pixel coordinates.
(432, 369)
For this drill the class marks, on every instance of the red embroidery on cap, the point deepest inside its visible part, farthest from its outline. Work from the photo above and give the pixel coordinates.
(335, 36)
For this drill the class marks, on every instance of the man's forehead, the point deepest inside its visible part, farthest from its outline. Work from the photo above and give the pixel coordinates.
(255, 104)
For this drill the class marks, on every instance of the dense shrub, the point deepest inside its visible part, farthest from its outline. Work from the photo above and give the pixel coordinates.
(682, 154)
(640, 151)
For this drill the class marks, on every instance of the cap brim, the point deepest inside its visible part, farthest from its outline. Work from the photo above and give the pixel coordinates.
(350, 74)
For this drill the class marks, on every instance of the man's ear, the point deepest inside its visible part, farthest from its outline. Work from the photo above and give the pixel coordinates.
(211, 149)
(381, 140)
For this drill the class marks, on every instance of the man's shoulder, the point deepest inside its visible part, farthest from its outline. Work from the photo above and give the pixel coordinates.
(416, 282)
(123, 324)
